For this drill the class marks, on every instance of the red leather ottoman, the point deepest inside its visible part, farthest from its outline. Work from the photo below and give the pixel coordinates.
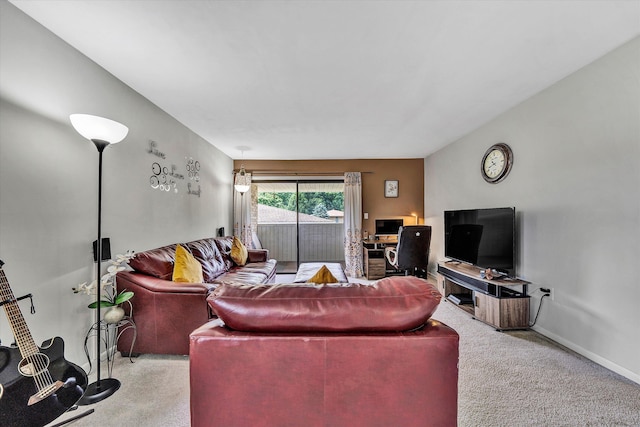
(308, 269)
(357, 375)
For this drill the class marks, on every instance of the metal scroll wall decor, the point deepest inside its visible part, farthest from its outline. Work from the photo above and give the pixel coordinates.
(166, 178)
(193, 169)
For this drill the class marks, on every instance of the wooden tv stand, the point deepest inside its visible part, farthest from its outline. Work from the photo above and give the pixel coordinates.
(501, 303)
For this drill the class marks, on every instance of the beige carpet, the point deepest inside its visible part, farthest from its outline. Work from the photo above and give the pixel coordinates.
(506, 379)
(521, 378)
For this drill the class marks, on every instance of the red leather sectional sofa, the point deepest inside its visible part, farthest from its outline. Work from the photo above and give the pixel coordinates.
(166, 312)
(338, 355)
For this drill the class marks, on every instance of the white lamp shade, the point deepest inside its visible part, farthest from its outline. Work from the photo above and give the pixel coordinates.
(242, 188)
(98, 128)
(242, 183)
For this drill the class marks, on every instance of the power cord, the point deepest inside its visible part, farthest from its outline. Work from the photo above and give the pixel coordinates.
(546, 294)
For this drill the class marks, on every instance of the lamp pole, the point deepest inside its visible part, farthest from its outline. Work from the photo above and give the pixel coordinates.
(101, 388)
(101, 132)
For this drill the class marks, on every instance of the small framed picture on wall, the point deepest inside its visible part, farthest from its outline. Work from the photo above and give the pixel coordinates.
(391, 188)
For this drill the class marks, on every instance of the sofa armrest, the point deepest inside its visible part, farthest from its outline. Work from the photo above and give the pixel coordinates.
(164, 312)
(258, 255)
(131, 280)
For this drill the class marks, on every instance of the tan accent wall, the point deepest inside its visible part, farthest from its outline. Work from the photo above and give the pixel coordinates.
(408, 172)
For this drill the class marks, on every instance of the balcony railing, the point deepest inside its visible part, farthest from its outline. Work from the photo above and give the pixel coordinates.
(319, 242)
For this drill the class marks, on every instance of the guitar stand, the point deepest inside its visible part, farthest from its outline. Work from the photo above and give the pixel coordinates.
(77, 417)
(33, 309)
(30, 296)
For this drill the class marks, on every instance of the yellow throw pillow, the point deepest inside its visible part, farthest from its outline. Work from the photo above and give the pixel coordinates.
(239, 252)
(186, 268)
(323, 276)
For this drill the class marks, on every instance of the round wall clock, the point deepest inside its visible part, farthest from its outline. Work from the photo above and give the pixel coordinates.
(496, 163)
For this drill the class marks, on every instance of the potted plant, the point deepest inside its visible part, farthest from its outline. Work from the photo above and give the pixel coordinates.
(111, 299)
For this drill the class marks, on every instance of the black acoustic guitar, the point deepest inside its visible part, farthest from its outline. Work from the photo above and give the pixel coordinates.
(37, 385)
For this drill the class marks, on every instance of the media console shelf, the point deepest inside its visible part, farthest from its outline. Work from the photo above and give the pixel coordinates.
(501, 303)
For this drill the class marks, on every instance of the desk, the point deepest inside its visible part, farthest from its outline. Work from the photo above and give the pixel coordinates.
(375, 263)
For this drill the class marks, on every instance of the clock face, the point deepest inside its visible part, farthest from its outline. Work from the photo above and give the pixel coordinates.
(496, 163)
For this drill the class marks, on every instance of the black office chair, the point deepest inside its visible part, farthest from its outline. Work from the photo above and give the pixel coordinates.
(411, 255)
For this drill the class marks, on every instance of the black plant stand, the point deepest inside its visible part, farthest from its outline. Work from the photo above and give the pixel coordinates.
(110, 335)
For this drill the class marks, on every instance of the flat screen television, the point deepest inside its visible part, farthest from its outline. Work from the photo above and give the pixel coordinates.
(388, 227)
(482, 237)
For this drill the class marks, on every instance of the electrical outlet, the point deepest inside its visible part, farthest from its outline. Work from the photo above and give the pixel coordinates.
(548, 291)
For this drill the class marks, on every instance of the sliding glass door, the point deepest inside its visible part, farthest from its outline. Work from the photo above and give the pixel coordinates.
(321, 222)
(301, 221)
(277, 223)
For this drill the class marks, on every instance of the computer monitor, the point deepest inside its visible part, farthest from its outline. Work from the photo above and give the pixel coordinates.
(388, 227)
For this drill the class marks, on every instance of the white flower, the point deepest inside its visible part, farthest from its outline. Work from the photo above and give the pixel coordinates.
(108, 280)
(113, 269)
(122, 259)
(83, 288)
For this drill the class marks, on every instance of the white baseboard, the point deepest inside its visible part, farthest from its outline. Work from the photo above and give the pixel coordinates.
(589, 355)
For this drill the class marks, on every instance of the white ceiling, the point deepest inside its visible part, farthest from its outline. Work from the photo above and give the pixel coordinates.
(338, 79)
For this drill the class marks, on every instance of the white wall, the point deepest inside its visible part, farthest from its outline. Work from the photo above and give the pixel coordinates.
(48, 178)
(575, 184)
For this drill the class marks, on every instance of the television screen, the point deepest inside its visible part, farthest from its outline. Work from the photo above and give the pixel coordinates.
(388, 226)
(482, 237)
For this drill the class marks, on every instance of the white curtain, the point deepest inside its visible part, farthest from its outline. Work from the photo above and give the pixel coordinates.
(242, 226)
(353, 224)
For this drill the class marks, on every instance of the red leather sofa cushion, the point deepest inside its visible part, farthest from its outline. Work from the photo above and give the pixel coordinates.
(391, 304)
(264, 267)
(207, 253)
(224, 246)
(156, 262)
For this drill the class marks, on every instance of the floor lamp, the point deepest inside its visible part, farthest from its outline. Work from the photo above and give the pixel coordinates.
(101, 132)
(242, 183)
